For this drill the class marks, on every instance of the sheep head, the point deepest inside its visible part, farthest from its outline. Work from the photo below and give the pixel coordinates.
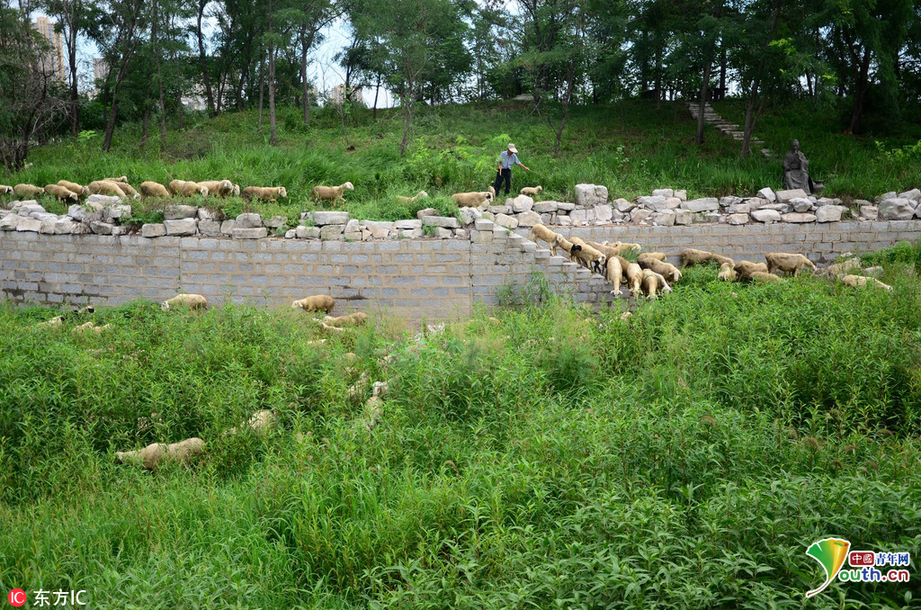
(349, 186)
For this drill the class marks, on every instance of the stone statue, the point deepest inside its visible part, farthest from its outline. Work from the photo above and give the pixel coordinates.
(795, 175)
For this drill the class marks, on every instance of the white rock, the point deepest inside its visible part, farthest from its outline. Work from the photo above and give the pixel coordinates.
(227, 226)
(102, 200)
(738, 208)
(829, 213)
(591, 194)
(461, 233)
(785, 196)
(798, 217)
(801, 204)
(768, 194)
(101, 228)
(684, 217)
(115, 212)
(331, 232)
(469, 215)
(443, 233)
(707, 204)
(582, 217)
(153, 230)
(766, 216)
(209, 228)
(378, 230)
(664, 219)
(206, 214)
(446, 222)
(639, 215)
(302, 232)
(275, 221)
(522, 203)
(869, 212)
(248, 221)
(352, 226)
(913, 195)
(565, 207)
(729, 200)
(603, 214)
(622, 205)
(64, 226)
(9, 222)
(426, 212)
(289, 234)
(407, 225)
(656, 203)
(528, 219)
(896, 209)
(682, 195)
(738, 219)
(504, 220)
(663, 193)
(32, 225)
(87, 212)
(544, 207)
(176, 212)
(186, 226)
(885, 196)
(335, 218)
(673, 203)
(249, 232)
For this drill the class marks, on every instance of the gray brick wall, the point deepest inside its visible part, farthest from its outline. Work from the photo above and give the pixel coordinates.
(414, 279)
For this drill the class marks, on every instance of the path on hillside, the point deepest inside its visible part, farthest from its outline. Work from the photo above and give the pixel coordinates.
(730, 129)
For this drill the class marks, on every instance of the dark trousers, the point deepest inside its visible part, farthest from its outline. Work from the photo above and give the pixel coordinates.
(505, 174)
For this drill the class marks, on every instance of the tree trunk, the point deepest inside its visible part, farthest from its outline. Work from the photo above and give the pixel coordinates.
(145, 124)
(751, 116)
(153, 36)
(122, 72)
(273, 128)
(860, 89)
(203, 58)
(71, 41)
(708, 64)
(377, 90)
(261, 94)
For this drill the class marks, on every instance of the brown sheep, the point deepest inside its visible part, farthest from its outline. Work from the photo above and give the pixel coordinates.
(746, 268)
(331, 193)
(192, 301)
(355, 319)
(727, 273)
(154, 189)
(765, 278)
(187, 188)
(105, 187)
(614, 273)
(472, 200)
(787, 263)
(690, 256)
(319, 302)
(264, 193)
(542, 233)
(218, 188)
(61, 193)
(671, 273)
(653, 283)
(24, 191)
(74, 187)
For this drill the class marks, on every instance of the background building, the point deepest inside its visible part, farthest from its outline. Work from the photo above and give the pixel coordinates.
(337, 94)
(53, 60)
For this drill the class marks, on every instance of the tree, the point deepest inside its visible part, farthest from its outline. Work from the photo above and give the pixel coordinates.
(72, 17)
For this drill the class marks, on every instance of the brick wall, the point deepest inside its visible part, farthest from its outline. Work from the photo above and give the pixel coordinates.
(414, 279)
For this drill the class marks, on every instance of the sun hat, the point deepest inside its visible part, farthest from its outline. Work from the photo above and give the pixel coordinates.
(512, 148)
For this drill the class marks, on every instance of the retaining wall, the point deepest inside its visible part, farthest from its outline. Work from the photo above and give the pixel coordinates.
(416, 279)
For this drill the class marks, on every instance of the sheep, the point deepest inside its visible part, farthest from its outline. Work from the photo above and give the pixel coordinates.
(236, 190)
(608, 251)
(25, 191)
(746, 268)
(765, 278)
(74, 187)
(531, 191)
(261, 423)
(653, 282)
(120, 179)
(154, 189)
(727, 273)
(88, 326)
(491, 190)
(319, 302)
(403, 199)
(327, 193)
(128, 190)
(105, 187)
(651, 256)
(219, 188)
(265, 193)
(634, 276)
(472, 200)
(565, 244)
(787, 262)
(668, 270)
(622, 247)
(587, 255)
(614, 273)
(842, 268)
(187, 189)
(542, 233)
(193, 301)
(690, 256)
(355, 319)
(5, 190)
(157, 454)
(855, 281)
(61, 193)
(55, 322)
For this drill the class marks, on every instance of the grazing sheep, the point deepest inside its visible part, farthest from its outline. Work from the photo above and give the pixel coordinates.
(608, 251)
(61, 193)
(5, 190)
(842, 268)
(187, 189)
(727, 273)
(651, 256)
(587, 255)
(491, 190)
(403, 199)
(542, 233)
(355, 319)
(319, 302)
(236, 190)
(157, 454)
(855, 281)
(653, 283)
(531, 191)
(105, 187)
(261, 422)
(218, 188)
(88, 326)
(327, 193)
(473, 199)
(634, 277)
(765, 278)
(787, 262)
(120, 179)
(154, 189)
(265, 193)
(614, 273)
(746, 268)
(55, 322)
(565, 244)
(25, 191)
(622, 247)
(690, 256)
(192, 301)
(671, 272)
(74, 187)
(128, 190)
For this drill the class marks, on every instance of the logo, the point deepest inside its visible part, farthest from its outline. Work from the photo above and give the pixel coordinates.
(17, 597)
(831, 554)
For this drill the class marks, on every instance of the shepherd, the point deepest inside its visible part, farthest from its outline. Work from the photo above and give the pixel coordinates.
(507, 159)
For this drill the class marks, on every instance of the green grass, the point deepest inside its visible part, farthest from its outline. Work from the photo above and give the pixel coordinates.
(631, 147)
(684, 458)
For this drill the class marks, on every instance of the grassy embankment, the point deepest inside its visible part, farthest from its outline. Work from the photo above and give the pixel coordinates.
(684, 458)
(632, 147)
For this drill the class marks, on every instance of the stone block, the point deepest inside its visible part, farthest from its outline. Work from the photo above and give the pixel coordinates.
(153, 230)
(522, 203)
(797, 217)
(639, 215)
(684, 217)
(406, 225)
(469, 215)
(565, 207)
(545, 207)
(101, 228)
(582, 216)
(331, 232)
(378, 230)
(663, 193)
(186, 226)
(302, 232)
(322, 219)
(682, 195)
(177, 212)
(673, 203)
(248, 221)
(896, 209)
(102, 200)
(738, 219)
(622, 205)
(426, 212)
(801, 205)
(829, 213)
(707, 204)
(446, 222)
(31, 225)
(209, 228)
(591, 194)
(504, 220)
(227, 226)
(767, 193)
(484, 225)
(869, 212)
(656, 203)
(249, 232)
(603, 214)
(275, 222)
(766, 216)
(664, 219)
(528, 219)
(913, 195)
(790, 195)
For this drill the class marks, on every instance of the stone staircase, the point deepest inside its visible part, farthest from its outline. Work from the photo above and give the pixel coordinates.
(727, 128)
(518, 258)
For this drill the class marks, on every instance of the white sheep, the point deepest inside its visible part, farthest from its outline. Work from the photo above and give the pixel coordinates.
(106, 187)
(653, 283)
(855, 281)
(472, 199)
(614, 273)
(187, 188)
(74, 187)
(690, 256)
(531, 191)
(218, 188)
(634, 277)
(5, 190)
(319, 302)
(128, 190)
(668, 270)
(355, 319)
(587, 255)
(120, 179)
(765, 278)
(542, 233)
(745, 269)
(154, 189)
(24, 191)
(727, 273)
(61, 193)
(192, 301)
(156, 455)
(787, 262)
(622, 247)
(418, 195)
(330, 193)
(565, 244)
